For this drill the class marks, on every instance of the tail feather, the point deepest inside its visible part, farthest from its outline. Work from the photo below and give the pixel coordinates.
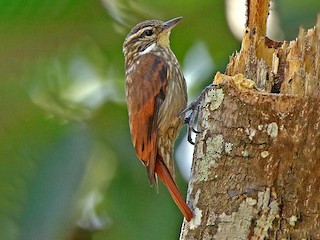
(165, 177)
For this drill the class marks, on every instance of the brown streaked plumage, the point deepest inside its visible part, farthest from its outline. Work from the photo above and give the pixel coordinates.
(156, 94)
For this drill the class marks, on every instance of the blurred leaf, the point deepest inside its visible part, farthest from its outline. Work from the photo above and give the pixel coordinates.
(50, 201)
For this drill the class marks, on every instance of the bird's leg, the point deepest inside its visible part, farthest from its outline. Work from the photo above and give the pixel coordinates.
(193, 108)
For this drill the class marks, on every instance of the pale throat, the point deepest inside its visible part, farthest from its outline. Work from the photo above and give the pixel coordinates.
(163, 39)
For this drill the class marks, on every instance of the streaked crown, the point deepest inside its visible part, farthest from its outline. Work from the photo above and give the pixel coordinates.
(148, 36)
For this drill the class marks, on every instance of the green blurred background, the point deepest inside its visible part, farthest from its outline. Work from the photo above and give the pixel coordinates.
(67, 165)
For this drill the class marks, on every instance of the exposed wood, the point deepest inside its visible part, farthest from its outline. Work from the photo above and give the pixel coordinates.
(257, 14)
(256, 167)
(280, 67)
(256, 170)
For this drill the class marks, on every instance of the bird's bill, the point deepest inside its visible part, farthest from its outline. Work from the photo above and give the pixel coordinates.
(168, 25)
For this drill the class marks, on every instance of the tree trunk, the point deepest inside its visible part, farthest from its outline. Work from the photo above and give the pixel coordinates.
(256, 166)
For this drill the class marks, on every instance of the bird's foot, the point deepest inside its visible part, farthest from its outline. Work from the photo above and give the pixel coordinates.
(193, 108)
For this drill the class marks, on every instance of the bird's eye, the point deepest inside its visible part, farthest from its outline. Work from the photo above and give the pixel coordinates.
(148, 32)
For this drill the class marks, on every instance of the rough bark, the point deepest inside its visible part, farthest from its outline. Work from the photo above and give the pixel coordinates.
(256, 167)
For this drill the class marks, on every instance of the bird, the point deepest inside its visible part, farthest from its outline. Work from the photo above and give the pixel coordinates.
(156, 93)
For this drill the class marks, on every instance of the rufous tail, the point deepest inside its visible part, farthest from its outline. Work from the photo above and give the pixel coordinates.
(165, 177)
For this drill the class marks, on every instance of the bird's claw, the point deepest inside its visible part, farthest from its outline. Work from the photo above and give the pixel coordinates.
(190, 121)
(193, 108)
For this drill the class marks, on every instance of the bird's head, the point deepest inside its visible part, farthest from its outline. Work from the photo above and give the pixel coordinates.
(149, 35)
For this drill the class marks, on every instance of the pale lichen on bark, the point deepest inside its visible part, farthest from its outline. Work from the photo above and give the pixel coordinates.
(269, 210)
(272, 129)
(255, 172)
(212, 145)
(238, 158)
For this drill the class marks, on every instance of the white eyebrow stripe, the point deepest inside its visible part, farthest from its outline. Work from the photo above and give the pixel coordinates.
(148, 49)
(137, 34)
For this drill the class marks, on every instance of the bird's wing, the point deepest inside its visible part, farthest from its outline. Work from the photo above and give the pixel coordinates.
(146, 91)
